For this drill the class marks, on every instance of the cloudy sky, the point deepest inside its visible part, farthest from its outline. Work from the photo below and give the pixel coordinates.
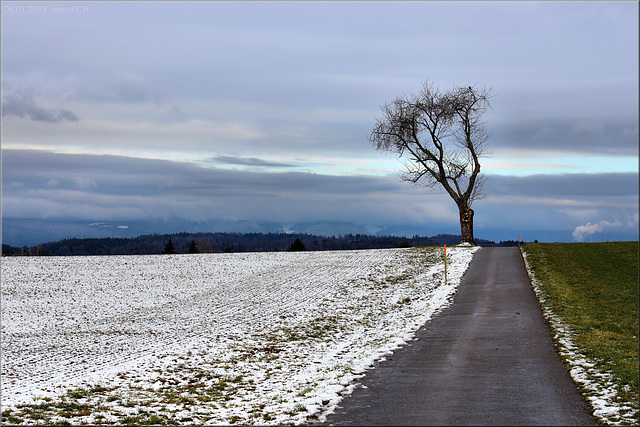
(261, 111)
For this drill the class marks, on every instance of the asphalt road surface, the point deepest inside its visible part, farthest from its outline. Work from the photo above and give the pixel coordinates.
(488, 359)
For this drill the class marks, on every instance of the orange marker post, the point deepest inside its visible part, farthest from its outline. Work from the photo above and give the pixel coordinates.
(445, 264)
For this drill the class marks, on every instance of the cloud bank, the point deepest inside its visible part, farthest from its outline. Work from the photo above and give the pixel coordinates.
(40, 184)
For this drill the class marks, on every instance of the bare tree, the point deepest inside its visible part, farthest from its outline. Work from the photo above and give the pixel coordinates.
(204, 246)
(439, 137)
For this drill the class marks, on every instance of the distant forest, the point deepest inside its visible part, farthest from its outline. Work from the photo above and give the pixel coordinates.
(230, 242)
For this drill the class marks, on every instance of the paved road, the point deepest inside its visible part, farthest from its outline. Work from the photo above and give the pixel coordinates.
(488, 359)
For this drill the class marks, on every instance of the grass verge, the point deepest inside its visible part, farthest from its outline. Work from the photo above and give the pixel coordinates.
(593, 289)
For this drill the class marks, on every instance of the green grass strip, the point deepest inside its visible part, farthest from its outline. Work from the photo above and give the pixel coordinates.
(593, 288)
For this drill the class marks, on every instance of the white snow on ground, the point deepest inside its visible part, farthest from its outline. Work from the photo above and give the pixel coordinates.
(250, 338)
(601, 391)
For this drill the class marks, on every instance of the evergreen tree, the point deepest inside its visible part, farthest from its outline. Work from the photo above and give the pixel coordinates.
(169, 248)
(193, 249)
(297, 245)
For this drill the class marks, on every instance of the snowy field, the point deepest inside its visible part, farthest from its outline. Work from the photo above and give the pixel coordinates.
(248, 338)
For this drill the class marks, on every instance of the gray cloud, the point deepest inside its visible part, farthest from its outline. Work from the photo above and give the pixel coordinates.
(117, 184)
(24, 105)
(250, 161)
(602, 185)
(614, 137)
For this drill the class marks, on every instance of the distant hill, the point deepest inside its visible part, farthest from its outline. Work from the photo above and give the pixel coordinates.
(30, 232)
(230, 242)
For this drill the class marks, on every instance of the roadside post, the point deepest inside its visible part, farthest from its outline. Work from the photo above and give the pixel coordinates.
(445, 264)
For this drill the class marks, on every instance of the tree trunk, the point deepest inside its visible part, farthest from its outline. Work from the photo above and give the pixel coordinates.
(466, 225)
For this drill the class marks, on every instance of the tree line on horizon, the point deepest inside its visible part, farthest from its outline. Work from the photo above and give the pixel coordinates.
(230, 242)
